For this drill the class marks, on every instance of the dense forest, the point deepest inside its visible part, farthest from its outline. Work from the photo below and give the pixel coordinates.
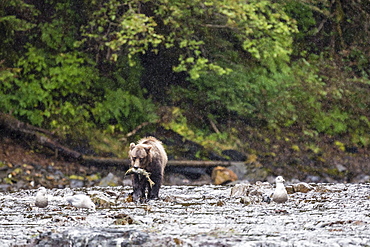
(247, 75)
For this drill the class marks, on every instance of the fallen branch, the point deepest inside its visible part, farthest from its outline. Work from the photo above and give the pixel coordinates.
(11, 125)
(214, 127)
(125, 163)
(15, 127)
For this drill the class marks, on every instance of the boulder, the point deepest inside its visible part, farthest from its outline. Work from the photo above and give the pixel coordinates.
(223, 175)
(302, 187)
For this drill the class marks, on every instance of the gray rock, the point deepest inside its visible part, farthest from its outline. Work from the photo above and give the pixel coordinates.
(76, 183)
(302, 187)
(93, 237)
(240, 170)
(246, 200)
(110, 180)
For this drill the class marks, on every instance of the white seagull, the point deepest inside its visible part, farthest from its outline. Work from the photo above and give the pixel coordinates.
(280, 194)
(81, 201)
(41, 198)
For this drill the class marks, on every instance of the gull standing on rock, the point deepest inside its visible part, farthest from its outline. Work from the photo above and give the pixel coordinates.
(81, 201)
(280, 194)
(41, 198)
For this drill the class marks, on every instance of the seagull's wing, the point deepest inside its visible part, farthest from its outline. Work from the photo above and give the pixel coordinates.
(74, 200)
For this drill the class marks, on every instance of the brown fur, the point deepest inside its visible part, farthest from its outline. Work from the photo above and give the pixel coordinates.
(150, 155)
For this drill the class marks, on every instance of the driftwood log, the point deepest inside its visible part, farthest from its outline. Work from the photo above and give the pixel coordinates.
(16, 128)
(125, 163)
(19, 129)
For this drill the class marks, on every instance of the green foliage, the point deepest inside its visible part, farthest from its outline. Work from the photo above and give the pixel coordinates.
(80, 64)
(49, 87)
(55, 36)
(15, 17)
(10, 22)
(124, 108)
(297, 97)
(333, 122)
(358, 61)
(338, 29)
(130, 27)
(211, 141)
(55, 85)
(56, 91)
(130, 31)
(274, 98)
(306, 24)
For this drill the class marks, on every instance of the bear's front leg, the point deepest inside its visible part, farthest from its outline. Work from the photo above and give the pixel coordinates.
(154, 191)
(138, 184)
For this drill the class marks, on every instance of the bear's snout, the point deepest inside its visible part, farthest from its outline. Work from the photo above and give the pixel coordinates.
(136, 163)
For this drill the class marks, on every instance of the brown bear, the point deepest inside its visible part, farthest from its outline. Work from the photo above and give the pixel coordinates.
(149, 155)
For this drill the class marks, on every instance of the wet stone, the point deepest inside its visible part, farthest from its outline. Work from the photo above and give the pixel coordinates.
(76, 183)
(102, 201)
(302, 187)
(92, 237)
(110, 180)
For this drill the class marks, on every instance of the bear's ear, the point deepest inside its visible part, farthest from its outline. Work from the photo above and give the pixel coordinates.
(132, 145)
(147, 149)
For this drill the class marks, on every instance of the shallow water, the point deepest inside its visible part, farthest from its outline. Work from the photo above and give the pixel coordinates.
(330, 215)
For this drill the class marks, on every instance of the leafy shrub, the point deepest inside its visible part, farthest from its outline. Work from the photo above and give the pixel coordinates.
(49, 87)
(278, 99)
(60, 91)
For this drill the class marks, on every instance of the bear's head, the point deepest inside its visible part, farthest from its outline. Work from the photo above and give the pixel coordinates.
(140, 155)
